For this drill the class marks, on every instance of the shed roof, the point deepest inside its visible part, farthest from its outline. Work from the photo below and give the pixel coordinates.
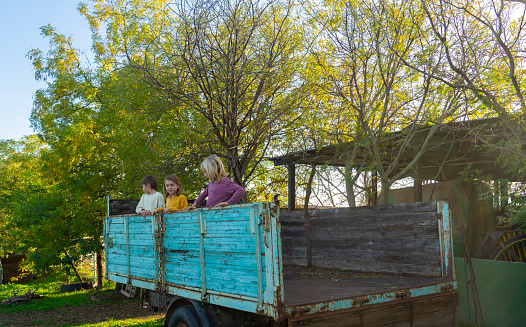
(450, 150)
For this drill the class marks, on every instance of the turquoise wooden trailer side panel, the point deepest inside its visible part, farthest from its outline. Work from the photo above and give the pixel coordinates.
(226, 256)
(232, 257)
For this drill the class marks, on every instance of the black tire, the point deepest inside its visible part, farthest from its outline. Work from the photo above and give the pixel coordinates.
(67, 288)
(513, 249)
(76, 287)
(184, 316)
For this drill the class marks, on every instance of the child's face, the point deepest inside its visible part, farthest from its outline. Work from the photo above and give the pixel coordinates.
(205, 173)
(146, 188)
(171, 187)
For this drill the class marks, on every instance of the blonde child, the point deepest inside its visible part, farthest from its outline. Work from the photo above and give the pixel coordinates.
(172, 191)
(151, 200)
(221, 191)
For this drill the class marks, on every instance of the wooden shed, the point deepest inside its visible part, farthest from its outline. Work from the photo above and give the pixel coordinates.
(452, 148)
(449, 151)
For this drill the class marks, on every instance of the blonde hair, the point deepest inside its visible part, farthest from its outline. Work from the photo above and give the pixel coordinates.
(174, 179)
(213, 166)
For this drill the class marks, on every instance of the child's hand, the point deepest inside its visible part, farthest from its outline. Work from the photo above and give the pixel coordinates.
(221, 204)
(189, 208)
(165, 210)
(144, 213)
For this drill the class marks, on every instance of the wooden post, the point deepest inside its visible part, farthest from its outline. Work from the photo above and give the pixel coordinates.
(503, 196)
(98, 259)
(292, 187)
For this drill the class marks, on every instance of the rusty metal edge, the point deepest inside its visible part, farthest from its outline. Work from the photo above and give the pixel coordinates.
(443, 281)
(372, 306)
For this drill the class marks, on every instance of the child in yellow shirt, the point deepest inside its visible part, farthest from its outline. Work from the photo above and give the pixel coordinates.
(172, 191)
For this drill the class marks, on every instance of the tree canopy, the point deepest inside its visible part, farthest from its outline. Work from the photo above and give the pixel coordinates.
(172, 82)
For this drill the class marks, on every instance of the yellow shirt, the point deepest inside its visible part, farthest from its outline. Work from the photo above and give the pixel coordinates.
(176, 203)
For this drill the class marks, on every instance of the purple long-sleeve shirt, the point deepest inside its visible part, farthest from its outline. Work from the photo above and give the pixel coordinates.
(224, 191)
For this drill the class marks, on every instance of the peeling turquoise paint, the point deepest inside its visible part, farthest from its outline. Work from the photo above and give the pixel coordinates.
(226, 256)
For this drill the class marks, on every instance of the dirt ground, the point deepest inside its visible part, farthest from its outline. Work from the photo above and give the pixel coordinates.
(120, 308)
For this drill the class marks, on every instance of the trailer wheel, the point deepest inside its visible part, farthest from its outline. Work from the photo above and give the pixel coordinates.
(184, 316)
(512, 249)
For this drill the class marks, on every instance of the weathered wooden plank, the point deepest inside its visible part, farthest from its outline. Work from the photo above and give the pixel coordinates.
(380, 256)
(136, 238)
(369, 266)
(225, 263)
(139, 251)
(327, 220)
(116, 226)
(438, 311)
(233, 287)
(342, 320)
(357, 263)
(435, 304)
(241, 282)
(378, 245)
(189, 275)
(376, 239)
(227, 242)
(180, 239)
(174, 247)
(299, 252)
(176, 226)
(139, 272)
(375, 266)
(378, 231)
(242, 277)
(291, 243)
(373, 210)
(183, 260)
(175, 270)
(395, 315)
(137, 261)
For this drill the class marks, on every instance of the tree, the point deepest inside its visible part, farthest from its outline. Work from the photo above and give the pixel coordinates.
(378, 95)
(19, 176)
(235, 64)
(482, 43)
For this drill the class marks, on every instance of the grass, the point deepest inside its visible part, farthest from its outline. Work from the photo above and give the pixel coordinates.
(128, 322)
(49, 287)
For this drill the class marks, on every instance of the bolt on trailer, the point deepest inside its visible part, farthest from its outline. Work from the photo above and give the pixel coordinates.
(252, 265)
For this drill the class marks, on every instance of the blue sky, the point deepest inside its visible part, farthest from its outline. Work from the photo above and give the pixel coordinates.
(20, 23)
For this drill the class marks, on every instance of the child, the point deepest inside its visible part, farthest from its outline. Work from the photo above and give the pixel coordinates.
(172, 191)
(151, 200)
(221, 191)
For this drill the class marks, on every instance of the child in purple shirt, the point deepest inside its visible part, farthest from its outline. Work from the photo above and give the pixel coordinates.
(221, 191)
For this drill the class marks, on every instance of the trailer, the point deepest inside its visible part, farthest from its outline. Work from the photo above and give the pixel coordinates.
(252, 265)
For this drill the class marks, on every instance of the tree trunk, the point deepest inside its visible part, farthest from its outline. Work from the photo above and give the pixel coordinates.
(308, 191)
(384, 193)
(349, 186)
(100, 282)
(73, 266)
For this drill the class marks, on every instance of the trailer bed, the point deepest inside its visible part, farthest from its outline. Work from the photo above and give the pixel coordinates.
(254, 258)
(308, 286)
